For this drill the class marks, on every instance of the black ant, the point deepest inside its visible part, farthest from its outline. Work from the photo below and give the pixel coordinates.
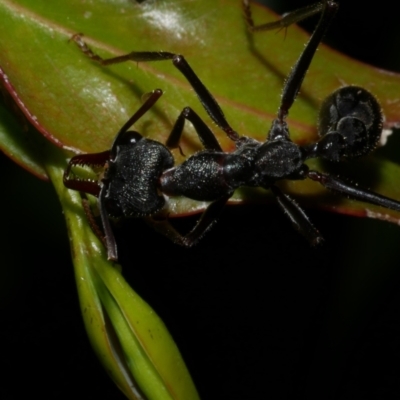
(140, 172)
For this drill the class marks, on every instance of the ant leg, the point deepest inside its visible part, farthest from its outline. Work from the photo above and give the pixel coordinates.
(336, 185)
(286, 20)
(111, 245)
(95, 189)
(91, 219)
(298, 217)
(206, 221)
(205, 134)
(298, 72)
(293, 82)
(206, 98)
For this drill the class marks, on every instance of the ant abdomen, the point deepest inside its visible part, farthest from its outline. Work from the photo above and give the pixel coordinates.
(350, 123)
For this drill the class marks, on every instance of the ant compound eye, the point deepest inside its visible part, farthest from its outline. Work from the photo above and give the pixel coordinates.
(129, 137)
(353, 113)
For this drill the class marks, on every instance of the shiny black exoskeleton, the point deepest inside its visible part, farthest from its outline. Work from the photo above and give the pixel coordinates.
(140, 172)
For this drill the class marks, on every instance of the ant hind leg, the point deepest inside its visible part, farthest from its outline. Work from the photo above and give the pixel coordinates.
(287, 19)
(205, 222)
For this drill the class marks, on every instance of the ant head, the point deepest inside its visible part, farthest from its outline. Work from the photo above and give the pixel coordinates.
(350, 123)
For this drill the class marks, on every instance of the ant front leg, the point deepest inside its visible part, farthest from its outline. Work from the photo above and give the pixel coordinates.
(206, 98)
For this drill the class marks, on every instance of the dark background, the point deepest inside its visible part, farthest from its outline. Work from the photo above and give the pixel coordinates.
(256, 312)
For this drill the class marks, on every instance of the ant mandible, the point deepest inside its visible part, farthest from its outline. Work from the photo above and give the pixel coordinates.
(140, 172)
